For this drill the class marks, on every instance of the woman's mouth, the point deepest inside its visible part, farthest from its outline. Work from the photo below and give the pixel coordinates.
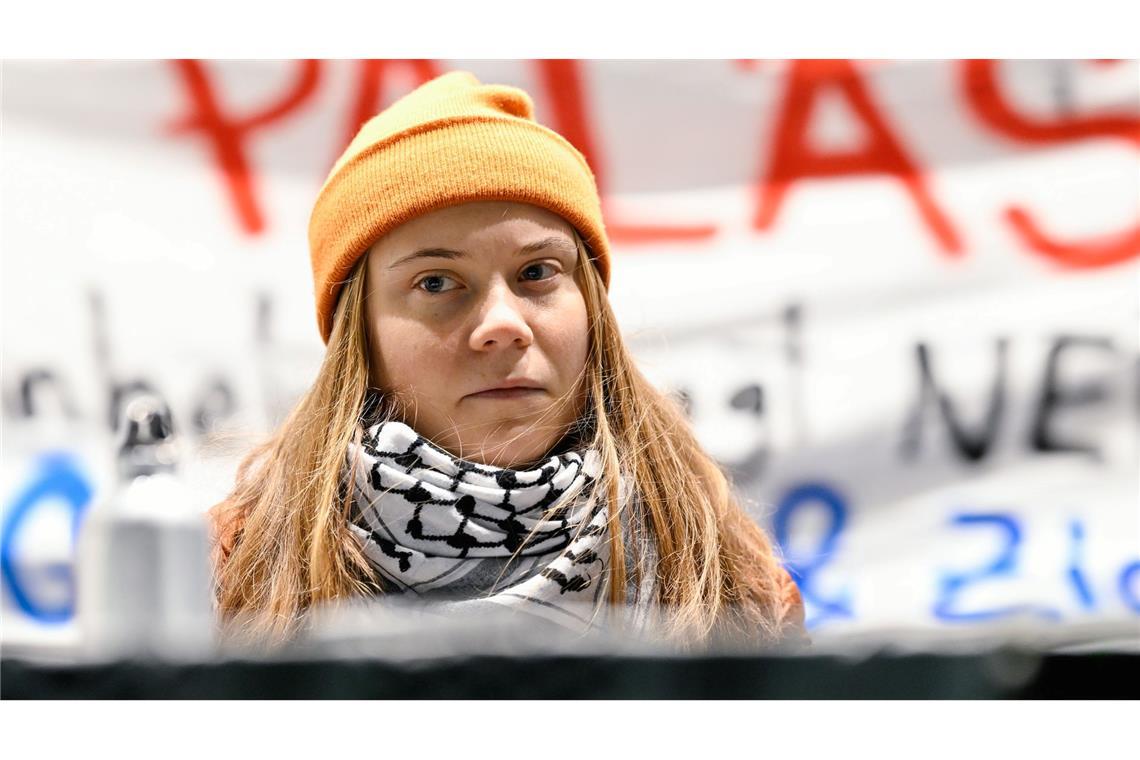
(507, 393)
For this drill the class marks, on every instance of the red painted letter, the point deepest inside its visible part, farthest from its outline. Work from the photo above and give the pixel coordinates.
(791, 159)
(227, 133)
(563, 81)
(979, 84)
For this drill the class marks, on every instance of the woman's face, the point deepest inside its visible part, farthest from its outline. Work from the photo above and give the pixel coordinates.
(476, 319)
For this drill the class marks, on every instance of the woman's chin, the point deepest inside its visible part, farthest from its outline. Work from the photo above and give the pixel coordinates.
(514, 452)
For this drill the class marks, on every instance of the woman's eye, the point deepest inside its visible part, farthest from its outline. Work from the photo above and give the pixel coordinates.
(436, 283)
(539, 271)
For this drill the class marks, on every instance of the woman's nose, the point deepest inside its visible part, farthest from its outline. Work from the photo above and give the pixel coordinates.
(502, 322)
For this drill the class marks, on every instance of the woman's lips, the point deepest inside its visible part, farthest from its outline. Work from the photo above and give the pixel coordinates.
(507, 393)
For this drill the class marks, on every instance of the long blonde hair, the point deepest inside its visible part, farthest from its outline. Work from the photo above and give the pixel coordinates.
(283, 543)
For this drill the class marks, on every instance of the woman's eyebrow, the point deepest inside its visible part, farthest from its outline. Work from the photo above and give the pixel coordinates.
(560, 243)
(428, 253)
(565, 245)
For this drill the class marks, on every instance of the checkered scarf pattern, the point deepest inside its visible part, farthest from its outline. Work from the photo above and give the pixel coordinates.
(456, 531)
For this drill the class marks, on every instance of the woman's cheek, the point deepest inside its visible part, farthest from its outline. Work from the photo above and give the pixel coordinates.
(401, 357)
(572, 335)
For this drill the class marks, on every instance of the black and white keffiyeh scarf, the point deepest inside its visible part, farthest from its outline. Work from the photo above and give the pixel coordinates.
(468, 534)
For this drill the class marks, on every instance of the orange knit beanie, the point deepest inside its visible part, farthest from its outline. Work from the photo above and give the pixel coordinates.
(449, 141)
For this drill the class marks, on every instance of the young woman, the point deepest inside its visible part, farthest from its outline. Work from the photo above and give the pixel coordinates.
(478, 433)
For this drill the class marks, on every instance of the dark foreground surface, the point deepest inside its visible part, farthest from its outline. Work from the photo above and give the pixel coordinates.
(1002, 674)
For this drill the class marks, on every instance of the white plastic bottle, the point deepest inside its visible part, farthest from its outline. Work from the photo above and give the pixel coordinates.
(144, 576)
